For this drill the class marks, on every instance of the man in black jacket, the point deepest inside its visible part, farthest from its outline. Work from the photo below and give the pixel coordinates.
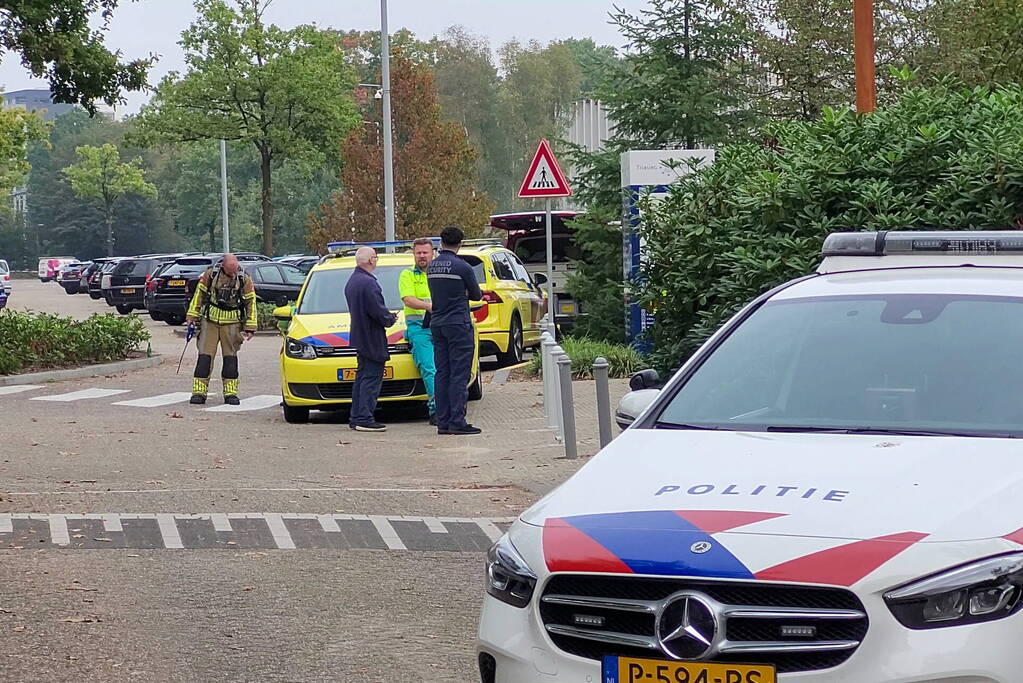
(370, 320)
(452, 285)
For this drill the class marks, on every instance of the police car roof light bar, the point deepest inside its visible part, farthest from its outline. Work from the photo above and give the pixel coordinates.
(935, 242)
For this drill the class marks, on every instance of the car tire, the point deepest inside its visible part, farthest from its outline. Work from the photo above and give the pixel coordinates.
(476, 388)
(71, 292)
(515, 352)
(295, 414)
(95, 295)
(156, 315)
(124, 309)
(174, 319)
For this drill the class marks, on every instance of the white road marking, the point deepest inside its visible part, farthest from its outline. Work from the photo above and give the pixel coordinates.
(6, 524)
(220, 522)
(253, 403)
(169, 531)
(328, 523)
(112, 523)
(58, 530)
(157, 401)
(279, 530)
(387, 533)
(435, 525)
(490, 529)
(18, 388)
(82, 395)
(263, 490)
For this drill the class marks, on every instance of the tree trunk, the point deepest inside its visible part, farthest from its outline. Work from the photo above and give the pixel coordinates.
(110, 232)
(267, 203)
(213, 236)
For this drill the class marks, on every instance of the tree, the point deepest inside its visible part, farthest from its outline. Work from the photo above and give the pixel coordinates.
(18, 129)
(55, 40)
(100, 174)
(286, 93)
(434, 176)
(941, 157)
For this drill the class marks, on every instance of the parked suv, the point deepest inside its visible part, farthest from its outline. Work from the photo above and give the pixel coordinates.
(125, 286)
(70, 276)
(171, 289)
(96, 276)
(827, 491)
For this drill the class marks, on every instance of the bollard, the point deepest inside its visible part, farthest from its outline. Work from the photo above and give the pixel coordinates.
(545, 374)
(600, 367)
(559, 413)
(550, 386)
(567, 408)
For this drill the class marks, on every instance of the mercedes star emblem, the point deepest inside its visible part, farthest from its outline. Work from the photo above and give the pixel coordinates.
(686, 626)
(700, 547)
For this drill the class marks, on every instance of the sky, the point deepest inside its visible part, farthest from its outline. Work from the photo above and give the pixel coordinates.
(147, 27)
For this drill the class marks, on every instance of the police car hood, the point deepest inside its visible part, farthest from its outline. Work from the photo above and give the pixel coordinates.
(651, 487)
(333, 329)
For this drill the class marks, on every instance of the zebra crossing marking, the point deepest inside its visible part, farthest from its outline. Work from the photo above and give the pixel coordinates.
(258, 402)
(156, 401)
(81, 395)
(18, 388)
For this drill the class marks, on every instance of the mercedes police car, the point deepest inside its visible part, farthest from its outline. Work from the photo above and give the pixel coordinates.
(830, 489)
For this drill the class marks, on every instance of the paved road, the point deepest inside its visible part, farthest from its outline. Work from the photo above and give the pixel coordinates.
(142, 538)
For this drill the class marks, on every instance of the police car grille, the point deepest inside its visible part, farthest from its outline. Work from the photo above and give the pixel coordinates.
(755, 636)
(351, 351)
(343, 390)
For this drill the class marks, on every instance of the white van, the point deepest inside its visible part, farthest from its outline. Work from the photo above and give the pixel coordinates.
(49, 265)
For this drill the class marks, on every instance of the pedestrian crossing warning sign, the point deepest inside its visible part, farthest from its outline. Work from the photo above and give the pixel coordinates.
(544, 177)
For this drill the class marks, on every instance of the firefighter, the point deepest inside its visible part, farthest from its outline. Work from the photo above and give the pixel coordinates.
(225, 306)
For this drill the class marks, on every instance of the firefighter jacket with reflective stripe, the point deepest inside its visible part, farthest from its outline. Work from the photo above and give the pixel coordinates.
(226, 301)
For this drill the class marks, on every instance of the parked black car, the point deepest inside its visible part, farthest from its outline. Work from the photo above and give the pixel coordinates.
(96, 276)
(172, 288)
(276, 283)
(125, 286)
(303, 263)
(69, 276)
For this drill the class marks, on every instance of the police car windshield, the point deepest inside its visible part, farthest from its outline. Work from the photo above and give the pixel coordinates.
(929, 364)
(325, 290)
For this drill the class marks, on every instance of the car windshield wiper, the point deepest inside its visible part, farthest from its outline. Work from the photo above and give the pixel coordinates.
(884, 430)
(679, 425)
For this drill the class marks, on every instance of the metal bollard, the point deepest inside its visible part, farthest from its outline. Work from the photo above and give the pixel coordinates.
(545, 373)
(558, 407)
(550, 386)
(567, 407)
(600, 367)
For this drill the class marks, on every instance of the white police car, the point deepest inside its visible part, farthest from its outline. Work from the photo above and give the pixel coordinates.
(830, 489)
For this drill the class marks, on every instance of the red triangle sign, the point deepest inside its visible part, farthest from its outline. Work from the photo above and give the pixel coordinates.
(544, 177)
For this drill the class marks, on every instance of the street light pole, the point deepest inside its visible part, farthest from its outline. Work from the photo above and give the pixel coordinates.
(223, 196)
(863, 39)
(385, 70)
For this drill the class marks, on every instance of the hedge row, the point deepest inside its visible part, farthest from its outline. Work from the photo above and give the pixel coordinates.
(623, 360)
(31, 341)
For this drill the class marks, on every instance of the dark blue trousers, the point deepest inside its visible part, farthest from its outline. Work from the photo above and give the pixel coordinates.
(452, 353)
(366, 391)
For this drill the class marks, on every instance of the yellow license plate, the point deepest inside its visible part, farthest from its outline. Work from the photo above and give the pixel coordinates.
(176, 283)
(631, 670)
(348, 374)
(127, 291)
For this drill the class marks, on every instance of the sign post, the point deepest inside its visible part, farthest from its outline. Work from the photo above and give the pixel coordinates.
(545, 179)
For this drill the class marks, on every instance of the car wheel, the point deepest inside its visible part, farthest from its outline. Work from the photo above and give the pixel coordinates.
(174, 319)
(295, 414)
(514, 354)
(124, 309)
(71, 292)
(95, 295)
(476, 388)
(156, 315)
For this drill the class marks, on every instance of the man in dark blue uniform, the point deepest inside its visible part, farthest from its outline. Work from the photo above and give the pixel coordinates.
(370, 320)
(452, 285)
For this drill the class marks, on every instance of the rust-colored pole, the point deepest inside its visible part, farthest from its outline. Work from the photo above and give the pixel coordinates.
(863, 39)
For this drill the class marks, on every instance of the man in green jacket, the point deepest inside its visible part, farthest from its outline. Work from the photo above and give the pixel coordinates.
(415, 293)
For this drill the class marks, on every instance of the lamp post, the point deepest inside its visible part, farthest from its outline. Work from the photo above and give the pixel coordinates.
(385, 75)
(863, 41)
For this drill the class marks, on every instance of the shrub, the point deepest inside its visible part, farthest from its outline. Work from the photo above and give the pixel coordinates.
(623, 360)
(939, 157)
(40, 340)
(265, 316)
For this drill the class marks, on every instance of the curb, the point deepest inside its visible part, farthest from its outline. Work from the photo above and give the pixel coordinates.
(79, 373)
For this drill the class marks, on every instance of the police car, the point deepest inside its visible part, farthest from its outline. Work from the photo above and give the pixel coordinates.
(828, 490)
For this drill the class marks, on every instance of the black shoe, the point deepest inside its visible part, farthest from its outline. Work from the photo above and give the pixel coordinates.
(371, 427)
(197, 399)
(433, 420)
(232, 400)
(466, 430)
(443, 431)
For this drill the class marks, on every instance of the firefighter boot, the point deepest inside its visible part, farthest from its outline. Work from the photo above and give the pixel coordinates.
(230, 377)
(199, 388)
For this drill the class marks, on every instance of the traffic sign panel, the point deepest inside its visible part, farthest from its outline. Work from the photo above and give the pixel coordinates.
(544, 177)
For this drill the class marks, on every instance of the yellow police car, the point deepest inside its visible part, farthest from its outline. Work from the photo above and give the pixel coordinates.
(317, 362)
(508, 322)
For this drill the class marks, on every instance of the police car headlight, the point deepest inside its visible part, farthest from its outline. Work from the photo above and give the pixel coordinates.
(509, 578)
(977, 592)
(294, 348)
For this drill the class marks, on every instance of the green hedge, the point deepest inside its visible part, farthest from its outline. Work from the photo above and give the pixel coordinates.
(30, 341)
(623, 360)
(265, 316)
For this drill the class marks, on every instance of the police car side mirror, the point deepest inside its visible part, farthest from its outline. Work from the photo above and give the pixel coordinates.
(283, 313)
(644, 379)
(633, 404)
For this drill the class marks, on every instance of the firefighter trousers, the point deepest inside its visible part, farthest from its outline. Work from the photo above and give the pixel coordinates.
(229, 338)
